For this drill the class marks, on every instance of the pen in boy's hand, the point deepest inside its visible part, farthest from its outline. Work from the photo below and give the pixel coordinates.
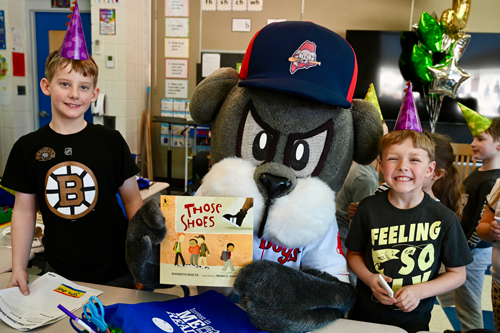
(75, 318)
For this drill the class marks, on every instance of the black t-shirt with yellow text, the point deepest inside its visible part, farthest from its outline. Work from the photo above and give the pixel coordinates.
(407, 245)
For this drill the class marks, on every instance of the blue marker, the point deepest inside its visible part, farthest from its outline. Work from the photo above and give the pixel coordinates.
(75, 318)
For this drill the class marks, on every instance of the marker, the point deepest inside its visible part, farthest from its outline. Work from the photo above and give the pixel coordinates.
(75, 318)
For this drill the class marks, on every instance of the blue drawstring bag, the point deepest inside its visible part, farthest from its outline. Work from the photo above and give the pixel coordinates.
(207, 312)
(143, 183)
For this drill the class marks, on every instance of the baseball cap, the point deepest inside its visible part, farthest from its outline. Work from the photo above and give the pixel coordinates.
(301, 58)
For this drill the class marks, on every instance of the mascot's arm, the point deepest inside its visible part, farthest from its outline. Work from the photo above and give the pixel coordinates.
(145, 232)
(282, 299)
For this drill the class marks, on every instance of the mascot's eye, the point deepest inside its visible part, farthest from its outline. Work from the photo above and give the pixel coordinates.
(261, 145)
(256, 140)
(306, 153)
(300, 155)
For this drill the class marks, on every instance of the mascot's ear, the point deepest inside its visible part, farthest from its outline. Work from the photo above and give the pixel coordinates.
(210, 94)
(367, 131)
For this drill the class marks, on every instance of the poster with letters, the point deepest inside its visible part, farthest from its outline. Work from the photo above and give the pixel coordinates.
(176, 48)
(209, 239)
(176, 27)
(177, 8)
(176, 88)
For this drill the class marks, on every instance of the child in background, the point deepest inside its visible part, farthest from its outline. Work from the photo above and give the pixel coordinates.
(489, 231)
(445, 184)
(486, 147)
(404, 235)
(72, 170)
(361, 181)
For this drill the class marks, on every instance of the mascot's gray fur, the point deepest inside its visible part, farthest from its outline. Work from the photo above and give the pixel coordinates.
(293, 198)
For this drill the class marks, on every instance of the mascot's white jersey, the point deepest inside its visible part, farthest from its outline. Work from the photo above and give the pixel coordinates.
(325, 254)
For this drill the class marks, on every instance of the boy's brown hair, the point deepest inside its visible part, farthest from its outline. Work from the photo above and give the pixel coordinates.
(84, 67)
(494, 129)
(420, 140)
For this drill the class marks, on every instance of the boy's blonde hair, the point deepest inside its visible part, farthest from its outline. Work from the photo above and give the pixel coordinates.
(420, 140)
(494, 129)
(83, 67)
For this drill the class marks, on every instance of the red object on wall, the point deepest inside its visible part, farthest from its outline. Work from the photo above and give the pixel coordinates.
(18, 67)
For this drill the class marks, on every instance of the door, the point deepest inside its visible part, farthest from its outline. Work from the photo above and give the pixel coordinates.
(50, 30)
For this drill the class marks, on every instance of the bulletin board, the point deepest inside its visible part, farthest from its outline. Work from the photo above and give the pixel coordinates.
(211, 32)
(226, 60)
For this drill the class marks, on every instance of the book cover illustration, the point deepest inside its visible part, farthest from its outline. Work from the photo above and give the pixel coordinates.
(209, 239)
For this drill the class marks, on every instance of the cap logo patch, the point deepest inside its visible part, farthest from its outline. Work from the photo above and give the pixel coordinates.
(304, 57)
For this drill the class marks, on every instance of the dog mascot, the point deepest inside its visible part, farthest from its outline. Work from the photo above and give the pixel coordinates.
(285, 131)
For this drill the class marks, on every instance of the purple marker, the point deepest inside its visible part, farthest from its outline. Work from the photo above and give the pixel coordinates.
(75, 318)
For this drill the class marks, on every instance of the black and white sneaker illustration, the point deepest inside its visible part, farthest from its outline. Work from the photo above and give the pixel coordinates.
(235, 220)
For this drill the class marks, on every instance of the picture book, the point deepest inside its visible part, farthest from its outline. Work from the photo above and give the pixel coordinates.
(209, 239)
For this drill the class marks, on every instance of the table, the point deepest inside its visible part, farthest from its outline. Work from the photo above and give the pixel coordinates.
(6, 252)
(153, 191)
(113, 295)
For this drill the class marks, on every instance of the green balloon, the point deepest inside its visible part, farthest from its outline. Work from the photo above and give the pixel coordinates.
(429, 33)
(421, 59)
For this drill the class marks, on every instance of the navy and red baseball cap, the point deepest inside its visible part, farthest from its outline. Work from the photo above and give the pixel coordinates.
(301, 58)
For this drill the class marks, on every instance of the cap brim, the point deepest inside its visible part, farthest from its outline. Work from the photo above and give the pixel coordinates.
(299, 88)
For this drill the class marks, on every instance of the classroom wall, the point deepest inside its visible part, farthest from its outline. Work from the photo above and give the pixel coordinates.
(126, 84)
(215, 35)
(15, 118)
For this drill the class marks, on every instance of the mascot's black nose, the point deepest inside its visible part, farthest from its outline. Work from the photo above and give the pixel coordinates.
(274, 185)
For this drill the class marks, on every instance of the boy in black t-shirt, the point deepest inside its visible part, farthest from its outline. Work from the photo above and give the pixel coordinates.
(72, 170)
(404, 236)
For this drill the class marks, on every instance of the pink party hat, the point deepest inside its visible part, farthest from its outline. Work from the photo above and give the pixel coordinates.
(408, 114)
(73, 46)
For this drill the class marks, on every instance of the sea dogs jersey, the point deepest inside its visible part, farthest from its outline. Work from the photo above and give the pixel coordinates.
(325, 254)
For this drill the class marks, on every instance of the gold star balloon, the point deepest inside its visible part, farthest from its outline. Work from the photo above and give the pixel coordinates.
(453, 20)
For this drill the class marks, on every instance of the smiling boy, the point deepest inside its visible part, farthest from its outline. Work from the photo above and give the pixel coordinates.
(404, 235)
(72, 170)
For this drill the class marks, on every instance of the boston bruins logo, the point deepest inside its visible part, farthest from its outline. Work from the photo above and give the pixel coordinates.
(71, 190)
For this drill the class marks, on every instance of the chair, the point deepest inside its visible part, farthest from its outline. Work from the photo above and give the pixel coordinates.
(464, 161)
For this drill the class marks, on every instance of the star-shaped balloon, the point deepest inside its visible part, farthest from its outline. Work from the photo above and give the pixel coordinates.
(447, 78)
(460, 46)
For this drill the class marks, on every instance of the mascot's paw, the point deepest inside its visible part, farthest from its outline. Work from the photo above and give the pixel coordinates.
(145, 232)
(281, 299)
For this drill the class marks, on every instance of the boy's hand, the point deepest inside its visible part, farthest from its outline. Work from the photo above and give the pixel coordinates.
(378, 291)
(19, 278)
(495, 230)
(407, 298)
(351, 210)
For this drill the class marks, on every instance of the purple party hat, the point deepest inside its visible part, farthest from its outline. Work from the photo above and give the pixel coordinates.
(73, 46)
(408, 114)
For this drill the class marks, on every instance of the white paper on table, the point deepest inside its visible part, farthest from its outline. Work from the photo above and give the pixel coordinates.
(39, 308)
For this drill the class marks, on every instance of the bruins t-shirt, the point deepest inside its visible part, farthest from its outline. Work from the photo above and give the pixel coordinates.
(75, 178)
